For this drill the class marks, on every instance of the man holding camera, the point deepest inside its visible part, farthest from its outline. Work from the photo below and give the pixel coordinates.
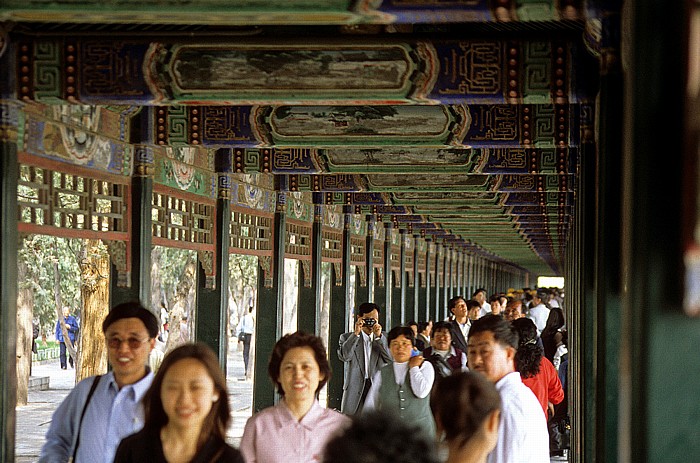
(364, 351)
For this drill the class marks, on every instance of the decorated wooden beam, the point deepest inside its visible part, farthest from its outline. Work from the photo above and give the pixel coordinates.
(281, 12)
(270, 70)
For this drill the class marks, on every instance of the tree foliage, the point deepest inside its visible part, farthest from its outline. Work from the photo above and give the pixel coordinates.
(39, 252)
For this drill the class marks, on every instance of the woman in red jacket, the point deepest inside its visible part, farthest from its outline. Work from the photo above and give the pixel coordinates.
(536, 371)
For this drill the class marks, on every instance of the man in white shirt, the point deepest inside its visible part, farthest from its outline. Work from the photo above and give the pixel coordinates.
(522, 433)
(245, 330)
(480, 297)
(539, 312)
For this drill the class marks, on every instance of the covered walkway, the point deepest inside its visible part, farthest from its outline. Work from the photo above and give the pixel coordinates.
(404, 151)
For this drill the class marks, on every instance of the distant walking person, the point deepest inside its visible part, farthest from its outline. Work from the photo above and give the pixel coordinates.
(245, 334)
(72, 327)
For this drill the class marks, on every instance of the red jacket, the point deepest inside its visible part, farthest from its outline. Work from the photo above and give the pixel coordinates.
(546, 385)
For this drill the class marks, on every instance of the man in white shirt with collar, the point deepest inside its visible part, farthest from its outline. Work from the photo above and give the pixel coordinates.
(364, 351)
(539, 312)
(89, 430)
(480, 297)
(522, 433)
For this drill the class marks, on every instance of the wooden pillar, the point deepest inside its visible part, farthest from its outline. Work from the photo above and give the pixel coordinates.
(460, 273)
(341, 313)
(447, 280)
(371, 283)
(659, 342)
(211, 322)
(310, 297)
(439, 262)
(268, 326)
(380, 288)
(428, 281)
(388, 277)
(418, 294)
(608, 257)
(405, 311)
(8, 276)
(136, 285)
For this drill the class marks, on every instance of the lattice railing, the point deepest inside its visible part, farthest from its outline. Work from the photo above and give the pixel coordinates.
(332, 247)
(357, 251)
(183, 220)
(51, 198)
(250, 232)
(298, 241)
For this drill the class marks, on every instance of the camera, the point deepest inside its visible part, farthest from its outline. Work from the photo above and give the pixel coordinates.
(369, 322)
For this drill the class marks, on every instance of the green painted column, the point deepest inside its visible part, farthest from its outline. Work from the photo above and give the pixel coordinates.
(405, 311)
(211, 322)
(608, 245)
(584, 373)
(660, 365)
(371, 278)
(8, 288)
(446, 279)
(268, 326)
(309, 298)
(417, 293)
(380, 291)
(391, 315)
(341, 313)
(439, 262)
(428, 281)
(137, 284)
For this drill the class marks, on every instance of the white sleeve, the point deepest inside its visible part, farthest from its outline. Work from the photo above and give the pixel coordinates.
(422, 379)
(371, 402)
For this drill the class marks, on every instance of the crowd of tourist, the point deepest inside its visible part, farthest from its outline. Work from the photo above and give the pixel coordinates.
(484, 385)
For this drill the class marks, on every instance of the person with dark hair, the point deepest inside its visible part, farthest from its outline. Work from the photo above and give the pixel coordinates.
(463, 312)
(106, 408)
(187, 412)
(513, 310)
(425, 330)
(381, 437)
(539, 311)
(404, 385)
(467, 410)
(553, 332)
(480, 296)
(495, 303)
(363, 351)
(536, 371)
(298, 427)
(522, 433)
(444, 357)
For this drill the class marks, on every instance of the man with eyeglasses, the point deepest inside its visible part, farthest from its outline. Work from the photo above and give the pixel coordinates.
(101, 410)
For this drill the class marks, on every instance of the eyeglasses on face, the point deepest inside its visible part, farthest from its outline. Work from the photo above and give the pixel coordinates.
(133, 343)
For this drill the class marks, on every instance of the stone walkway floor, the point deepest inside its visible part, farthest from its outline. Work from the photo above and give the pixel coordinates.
(34, 418)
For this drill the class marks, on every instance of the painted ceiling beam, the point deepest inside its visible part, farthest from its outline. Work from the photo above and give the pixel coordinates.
(348, 70)
(286, 12)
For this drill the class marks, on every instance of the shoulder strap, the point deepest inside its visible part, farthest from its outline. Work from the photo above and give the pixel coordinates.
(82, 415)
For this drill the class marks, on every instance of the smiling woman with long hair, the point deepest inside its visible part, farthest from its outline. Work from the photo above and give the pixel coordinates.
(187, 413)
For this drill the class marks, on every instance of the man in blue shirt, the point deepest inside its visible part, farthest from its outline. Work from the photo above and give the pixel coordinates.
(72, 327)
(90, 430)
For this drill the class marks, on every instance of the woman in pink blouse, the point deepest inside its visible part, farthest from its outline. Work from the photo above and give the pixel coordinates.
(297, 428)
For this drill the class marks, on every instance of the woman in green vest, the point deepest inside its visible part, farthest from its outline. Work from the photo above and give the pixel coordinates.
(403, 386)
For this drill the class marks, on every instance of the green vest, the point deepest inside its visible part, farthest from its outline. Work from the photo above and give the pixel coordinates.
(401, 399)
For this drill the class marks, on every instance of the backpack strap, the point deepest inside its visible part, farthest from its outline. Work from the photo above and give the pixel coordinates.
(82, 415)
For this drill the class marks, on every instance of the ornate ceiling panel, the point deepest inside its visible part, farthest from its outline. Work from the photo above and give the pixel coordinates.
(470, 135)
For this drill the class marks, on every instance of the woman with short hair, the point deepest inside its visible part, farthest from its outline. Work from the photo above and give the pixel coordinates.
(297, 428)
